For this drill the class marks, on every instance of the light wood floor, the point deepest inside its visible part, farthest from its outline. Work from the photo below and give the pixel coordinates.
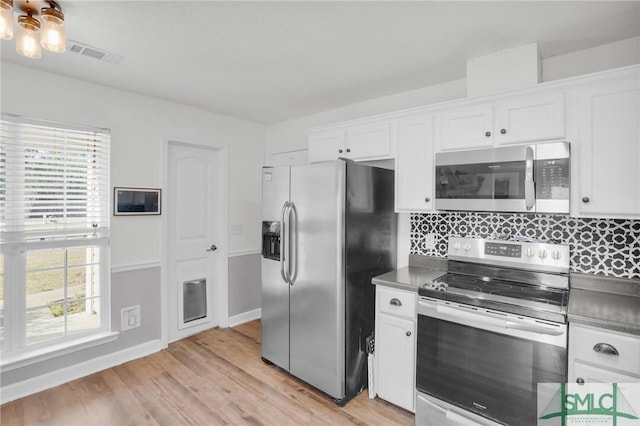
(216, 377)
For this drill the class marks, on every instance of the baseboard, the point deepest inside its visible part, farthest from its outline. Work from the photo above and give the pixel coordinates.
(67, 374)
(245, 317)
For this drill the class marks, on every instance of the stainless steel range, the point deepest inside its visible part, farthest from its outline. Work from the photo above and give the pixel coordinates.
(491, 329)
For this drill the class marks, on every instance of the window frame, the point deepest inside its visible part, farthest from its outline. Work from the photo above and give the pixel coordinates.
(15, 243)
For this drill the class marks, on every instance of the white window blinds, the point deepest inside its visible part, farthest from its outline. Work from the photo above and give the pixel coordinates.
(54, 180)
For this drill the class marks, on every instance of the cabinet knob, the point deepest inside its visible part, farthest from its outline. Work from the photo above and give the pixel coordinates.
(348, 150)
(408, 333)
(580, 381)
(427, 200)
(487, 134)
(503, 131)
(585, 199)
(395, 302)
(340, 151)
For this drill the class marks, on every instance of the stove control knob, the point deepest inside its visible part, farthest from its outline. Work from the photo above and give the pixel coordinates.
(556, 255)
(467, 247)
(456, 246)
(529, 252)
(542, 254)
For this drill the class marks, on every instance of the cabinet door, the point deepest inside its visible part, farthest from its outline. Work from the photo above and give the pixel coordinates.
(590, 374)
(467, 128)
(530, 118)
(395, 360)
(369, 141)
(414, 164)
(326, 146)
(289, 158)
(609, 150)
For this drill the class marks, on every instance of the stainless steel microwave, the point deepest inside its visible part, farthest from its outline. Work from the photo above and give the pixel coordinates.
(525, 178)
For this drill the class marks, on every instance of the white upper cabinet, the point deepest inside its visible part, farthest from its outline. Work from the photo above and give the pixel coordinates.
(327, 145)
(467, 128)
(608, 149)
(371, 141)
(530, 118)
(519, 119)
(414, 164)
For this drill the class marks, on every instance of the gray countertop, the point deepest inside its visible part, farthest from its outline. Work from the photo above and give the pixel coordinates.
(421, 270)
(407, 278)
(611, 303)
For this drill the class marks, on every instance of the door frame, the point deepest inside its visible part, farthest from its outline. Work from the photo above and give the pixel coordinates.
(222, 267)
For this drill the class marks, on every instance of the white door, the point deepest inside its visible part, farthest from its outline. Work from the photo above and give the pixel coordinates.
(193, 260)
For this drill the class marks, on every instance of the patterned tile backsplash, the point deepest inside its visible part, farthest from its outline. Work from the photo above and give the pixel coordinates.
(608, 247)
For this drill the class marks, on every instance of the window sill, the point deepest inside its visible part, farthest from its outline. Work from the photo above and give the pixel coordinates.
(10, 362)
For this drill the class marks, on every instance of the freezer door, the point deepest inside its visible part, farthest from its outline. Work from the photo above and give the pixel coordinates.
(275, 291)
(317, 324)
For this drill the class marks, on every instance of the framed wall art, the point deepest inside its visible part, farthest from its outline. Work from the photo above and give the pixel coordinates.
(136, 201)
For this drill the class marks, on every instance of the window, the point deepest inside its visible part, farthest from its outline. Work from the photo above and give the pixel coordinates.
(54, 233)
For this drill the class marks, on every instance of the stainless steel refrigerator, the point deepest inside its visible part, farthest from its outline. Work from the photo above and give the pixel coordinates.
(328, 228)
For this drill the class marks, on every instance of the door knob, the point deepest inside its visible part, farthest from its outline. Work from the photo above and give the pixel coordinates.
(213, 247)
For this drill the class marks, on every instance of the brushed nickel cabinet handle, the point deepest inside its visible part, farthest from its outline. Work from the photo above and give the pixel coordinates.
(395, 302)
(605, 349)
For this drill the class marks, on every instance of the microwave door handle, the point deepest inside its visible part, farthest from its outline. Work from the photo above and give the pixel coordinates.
(529, 185)
(284, 244)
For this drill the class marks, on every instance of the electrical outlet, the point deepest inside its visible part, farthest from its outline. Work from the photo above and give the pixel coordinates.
(130, 318)
(430, 241)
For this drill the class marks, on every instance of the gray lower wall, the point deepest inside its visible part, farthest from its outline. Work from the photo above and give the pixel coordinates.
(138, 287)
(244, 283)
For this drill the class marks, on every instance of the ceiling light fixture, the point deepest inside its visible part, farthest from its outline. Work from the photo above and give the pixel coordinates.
(33, 33)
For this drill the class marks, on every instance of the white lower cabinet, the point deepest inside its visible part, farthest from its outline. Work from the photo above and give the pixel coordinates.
(597, 355)
(395, 346)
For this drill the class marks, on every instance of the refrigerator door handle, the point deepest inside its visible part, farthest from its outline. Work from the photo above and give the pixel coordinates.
(284, 243)
(293, 248)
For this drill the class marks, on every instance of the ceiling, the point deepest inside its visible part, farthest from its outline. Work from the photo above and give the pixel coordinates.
(271, 61)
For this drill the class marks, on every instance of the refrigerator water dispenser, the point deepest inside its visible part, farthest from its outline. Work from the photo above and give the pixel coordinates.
(271, 240)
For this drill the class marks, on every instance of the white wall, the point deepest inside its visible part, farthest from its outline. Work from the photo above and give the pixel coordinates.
(140, 125)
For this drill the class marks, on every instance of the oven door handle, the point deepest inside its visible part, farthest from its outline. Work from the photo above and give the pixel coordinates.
(477, 319)
(536, 328)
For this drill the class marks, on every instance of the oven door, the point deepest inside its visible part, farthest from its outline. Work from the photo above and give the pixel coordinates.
(487, 362)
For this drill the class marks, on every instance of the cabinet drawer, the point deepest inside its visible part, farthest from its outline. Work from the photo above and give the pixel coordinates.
(590, 374)
(595, 346)
(397, 302)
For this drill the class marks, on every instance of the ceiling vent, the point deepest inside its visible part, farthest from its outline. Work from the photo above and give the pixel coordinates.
(95, 53)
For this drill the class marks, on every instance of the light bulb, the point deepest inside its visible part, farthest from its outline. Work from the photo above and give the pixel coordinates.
(6, 19)
(28, 38)
(53, 34)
